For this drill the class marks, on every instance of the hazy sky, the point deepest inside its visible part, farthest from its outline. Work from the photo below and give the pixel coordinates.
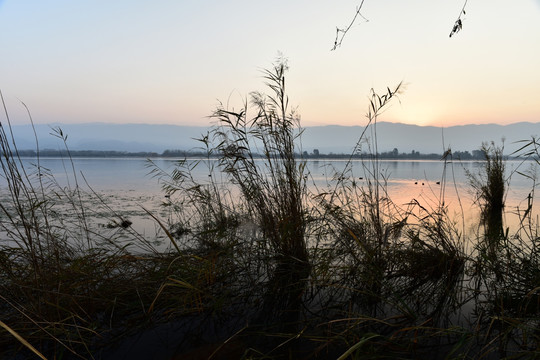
(170, 61)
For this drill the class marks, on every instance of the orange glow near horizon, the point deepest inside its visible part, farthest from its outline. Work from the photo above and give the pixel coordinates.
(153, 67)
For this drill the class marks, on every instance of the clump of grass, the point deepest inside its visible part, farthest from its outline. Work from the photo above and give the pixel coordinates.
(490, 186)
(255, 203)
(384, 269)
(66, 289)
(272, 184)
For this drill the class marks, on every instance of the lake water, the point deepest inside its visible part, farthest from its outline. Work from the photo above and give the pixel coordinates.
(125, 183)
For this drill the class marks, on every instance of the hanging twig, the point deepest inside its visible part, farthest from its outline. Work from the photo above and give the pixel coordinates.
(343, 32)
(340, 33)
(458, 25)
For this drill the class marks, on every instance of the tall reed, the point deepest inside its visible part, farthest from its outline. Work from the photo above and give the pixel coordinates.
(258, 154)
(490, 184)
(65, 283)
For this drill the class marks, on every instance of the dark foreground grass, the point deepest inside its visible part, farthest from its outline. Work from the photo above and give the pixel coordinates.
(261, 265)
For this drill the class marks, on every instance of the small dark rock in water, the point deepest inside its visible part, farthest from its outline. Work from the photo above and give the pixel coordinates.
(125, 224)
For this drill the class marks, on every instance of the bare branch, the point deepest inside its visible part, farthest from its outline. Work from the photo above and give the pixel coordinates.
(458, 25)
(343, 32)
(340, 33)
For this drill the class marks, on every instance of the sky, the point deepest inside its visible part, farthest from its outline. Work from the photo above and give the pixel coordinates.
(172, 61)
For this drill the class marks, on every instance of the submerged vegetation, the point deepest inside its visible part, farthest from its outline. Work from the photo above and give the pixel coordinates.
(262, 263)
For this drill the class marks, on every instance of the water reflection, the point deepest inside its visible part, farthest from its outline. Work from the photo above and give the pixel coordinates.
(128, 180)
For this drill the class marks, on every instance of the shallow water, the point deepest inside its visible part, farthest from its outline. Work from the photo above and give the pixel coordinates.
(125, 185)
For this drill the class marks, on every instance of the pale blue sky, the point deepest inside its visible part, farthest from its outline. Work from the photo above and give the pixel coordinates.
(165, 61)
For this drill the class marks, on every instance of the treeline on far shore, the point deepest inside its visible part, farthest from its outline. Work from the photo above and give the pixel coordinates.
(315, 154)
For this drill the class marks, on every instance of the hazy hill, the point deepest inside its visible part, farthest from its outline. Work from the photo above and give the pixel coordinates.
(336, 139)
(425, 139)
(118, 137)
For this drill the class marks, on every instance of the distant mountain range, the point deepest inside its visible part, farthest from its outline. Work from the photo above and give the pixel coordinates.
(327, 139)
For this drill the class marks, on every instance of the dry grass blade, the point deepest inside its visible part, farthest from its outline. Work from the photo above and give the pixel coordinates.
(356, 346)
(163, 227)
(226, 342)
(22, 340)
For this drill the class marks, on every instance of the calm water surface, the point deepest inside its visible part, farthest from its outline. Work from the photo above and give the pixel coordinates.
(127, 184)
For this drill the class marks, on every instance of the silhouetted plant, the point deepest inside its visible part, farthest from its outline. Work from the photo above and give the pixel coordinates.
(490, 187)
(273, 187)
(458, 25)
(341, 32)
(65, 281)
